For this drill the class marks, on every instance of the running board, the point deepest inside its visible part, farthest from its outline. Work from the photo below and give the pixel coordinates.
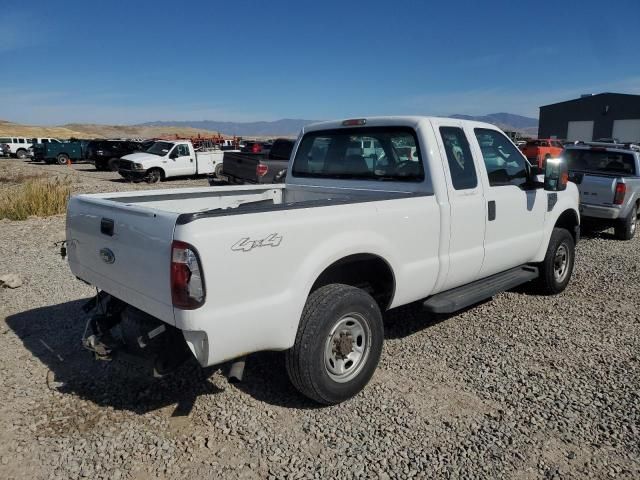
(474, 292)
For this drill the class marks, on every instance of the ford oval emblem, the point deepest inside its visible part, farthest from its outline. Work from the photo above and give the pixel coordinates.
(107, 255)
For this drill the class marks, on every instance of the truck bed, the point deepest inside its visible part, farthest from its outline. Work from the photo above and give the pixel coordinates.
(121, 242)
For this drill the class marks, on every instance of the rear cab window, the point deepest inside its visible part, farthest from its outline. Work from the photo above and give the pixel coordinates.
(461, 165)
(600, 161)
(364, 153)
(281, 149)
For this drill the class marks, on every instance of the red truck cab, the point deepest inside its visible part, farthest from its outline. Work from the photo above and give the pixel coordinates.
(537, 151)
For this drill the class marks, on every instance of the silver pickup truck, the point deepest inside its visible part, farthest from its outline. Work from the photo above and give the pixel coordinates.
(608, 178)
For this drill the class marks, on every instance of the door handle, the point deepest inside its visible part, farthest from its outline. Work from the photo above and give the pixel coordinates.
(492, 210)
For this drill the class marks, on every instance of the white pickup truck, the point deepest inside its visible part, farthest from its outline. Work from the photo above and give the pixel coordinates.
(440, 211)
(170, 158)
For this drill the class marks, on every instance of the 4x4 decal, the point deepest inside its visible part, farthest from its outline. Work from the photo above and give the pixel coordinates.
(246, 244)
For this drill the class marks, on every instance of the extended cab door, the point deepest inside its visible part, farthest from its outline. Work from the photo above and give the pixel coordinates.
(466, 202)
(181, 161)
(515, 212)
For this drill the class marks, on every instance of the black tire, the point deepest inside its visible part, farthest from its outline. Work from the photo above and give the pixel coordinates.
(218, 171)
(626, 229)
(553, 279)
(327, 312)
(21, 154)
(154, 175)
(62, 159)
(112, 164)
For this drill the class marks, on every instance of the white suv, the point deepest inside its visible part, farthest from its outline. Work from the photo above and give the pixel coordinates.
(19, 146)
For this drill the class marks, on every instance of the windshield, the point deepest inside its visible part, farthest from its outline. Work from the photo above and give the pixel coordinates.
(160, 148)
(375, 153)
(601, 161)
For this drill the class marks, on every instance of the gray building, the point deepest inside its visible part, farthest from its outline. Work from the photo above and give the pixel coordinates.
(592, 117)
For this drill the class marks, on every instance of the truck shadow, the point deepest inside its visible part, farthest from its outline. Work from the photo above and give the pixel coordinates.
(53, 333)
(593, 232)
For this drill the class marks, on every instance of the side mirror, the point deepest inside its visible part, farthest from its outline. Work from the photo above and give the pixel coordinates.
(556, 175)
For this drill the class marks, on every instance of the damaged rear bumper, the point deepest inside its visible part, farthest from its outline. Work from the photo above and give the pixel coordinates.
(118, 330)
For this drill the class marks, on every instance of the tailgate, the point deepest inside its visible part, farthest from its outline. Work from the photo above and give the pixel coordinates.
(242, 165)
(124, 250)
(595, 189)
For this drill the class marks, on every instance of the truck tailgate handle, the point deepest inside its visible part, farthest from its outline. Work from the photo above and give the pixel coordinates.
(106, 226)
(492, 210)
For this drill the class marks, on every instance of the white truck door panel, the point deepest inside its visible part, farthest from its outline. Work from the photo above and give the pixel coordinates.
(515, 216)
(467, 205)
(185, 161)
(514, 235)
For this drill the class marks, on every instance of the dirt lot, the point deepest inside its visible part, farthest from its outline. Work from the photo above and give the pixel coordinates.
(519, 387)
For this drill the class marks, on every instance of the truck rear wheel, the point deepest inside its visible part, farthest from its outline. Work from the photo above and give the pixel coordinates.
(22, 153)
(557, 266)
(626, 229)
(338, 344)
(62, 159)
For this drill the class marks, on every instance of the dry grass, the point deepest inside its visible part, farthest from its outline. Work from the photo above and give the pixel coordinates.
(76, 130)
(35, 197)
(18, 177)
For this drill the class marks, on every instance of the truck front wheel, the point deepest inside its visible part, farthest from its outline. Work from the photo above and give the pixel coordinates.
(112, 164)
(62, 159)
(557, 266)
(338, 344)
(154, 175)
(626, 229)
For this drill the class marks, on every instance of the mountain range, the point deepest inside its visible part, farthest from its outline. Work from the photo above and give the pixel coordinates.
(291, 126)
(288, 127)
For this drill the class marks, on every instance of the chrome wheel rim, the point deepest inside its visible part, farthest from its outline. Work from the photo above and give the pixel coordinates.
(347, 348)
(634, 224)
(561, 263)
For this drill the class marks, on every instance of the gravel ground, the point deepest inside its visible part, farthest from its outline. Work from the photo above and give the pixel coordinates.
(518, 387)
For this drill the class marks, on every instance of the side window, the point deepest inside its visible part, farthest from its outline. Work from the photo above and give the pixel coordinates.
(461, 166)
(183, 150)
(45, 140)
(504, 162)
(21, 140)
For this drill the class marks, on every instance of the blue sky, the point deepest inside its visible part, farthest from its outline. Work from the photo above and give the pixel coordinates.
(134, 61)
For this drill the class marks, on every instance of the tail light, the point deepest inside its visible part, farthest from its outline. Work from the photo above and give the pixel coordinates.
(256, 148)
(187, 283)
(261, 170)
(621, 190)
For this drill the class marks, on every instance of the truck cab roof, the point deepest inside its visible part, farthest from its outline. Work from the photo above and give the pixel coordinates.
(386, 121)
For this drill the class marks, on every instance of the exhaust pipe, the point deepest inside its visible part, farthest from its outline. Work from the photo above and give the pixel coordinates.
(237, 370)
